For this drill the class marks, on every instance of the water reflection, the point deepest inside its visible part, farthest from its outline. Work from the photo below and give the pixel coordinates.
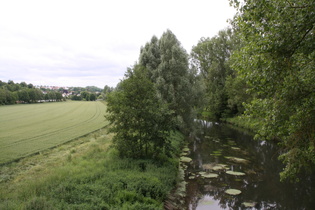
(216, 145)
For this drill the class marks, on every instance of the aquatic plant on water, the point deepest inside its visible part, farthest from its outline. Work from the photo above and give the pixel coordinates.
(237, 160)
(208, 175)
(233, 192)
(185, 159)
(235, 173)
(249, 204)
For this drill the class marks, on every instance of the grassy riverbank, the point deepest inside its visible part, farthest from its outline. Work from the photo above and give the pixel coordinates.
(87, 174)
(244, 122)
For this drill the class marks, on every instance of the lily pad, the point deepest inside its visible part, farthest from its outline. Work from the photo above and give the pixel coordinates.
(185, 159)
(237, 160)
(235, 173)
(184, 153)
(235, 148)
(208, 175)
(233, 192)
(186, 149)
(206, 202)
(191, 177)
(249, 204)
(218, 168)
(213, 166)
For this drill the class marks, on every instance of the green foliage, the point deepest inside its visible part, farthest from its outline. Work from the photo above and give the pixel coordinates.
(98, 180)
(92, 97)
(85, 95)
(140, 120)
(106, 91)
(11, 93)
(76, 98)
(246, 122)
(93, 89)
(167, 64)
(211, 58)
(277, 62)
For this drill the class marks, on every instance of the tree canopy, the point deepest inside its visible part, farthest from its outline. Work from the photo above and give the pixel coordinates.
(277, 62)
(11, 93)
(211, 58)
(140, 119)
(167, 64)
(155, 97)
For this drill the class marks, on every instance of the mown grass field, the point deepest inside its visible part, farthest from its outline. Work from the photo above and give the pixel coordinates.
(27, 129)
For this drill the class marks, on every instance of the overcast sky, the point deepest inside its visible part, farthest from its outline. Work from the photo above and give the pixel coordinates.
(85, 43)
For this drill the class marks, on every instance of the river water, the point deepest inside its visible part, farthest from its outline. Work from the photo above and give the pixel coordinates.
(218, 148)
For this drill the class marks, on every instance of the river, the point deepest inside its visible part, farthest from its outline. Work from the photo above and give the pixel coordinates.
(239, 162)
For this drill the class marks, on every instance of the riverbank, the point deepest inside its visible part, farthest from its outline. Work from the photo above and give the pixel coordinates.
(88, 174)
(244, 122)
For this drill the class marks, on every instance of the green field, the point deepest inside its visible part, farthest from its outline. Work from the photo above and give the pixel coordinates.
(27, 129)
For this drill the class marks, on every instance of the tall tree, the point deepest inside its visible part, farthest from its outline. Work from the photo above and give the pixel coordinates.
(106, 91)
(150, 57)
(277, 61)
(140, 120)
(211, 58)
(167, 63)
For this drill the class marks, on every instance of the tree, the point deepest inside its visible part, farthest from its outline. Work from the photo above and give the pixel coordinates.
(277, 62)
(139, 118)
(11, 86)
(150, 57)
(30, 86)
(23, 95)
(39, 94)
(211, 57)
(2, 97)
(167, 64)
(85, 95)
(58, 96)
(51, 96)
(32, 95)
(92, 97)
(106, 91)
(23, 85)
(76, 98)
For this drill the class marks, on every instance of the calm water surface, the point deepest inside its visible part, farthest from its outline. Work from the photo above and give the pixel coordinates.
(219, 145)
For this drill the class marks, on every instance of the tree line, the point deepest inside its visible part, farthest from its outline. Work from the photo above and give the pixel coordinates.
(260, 69)
(12, 93)
(84, 96)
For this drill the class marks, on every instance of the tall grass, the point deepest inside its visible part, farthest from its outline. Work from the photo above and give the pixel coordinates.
(97, 179)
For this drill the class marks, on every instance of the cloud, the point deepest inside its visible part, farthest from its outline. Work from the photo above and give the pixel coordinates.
(80, 43)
